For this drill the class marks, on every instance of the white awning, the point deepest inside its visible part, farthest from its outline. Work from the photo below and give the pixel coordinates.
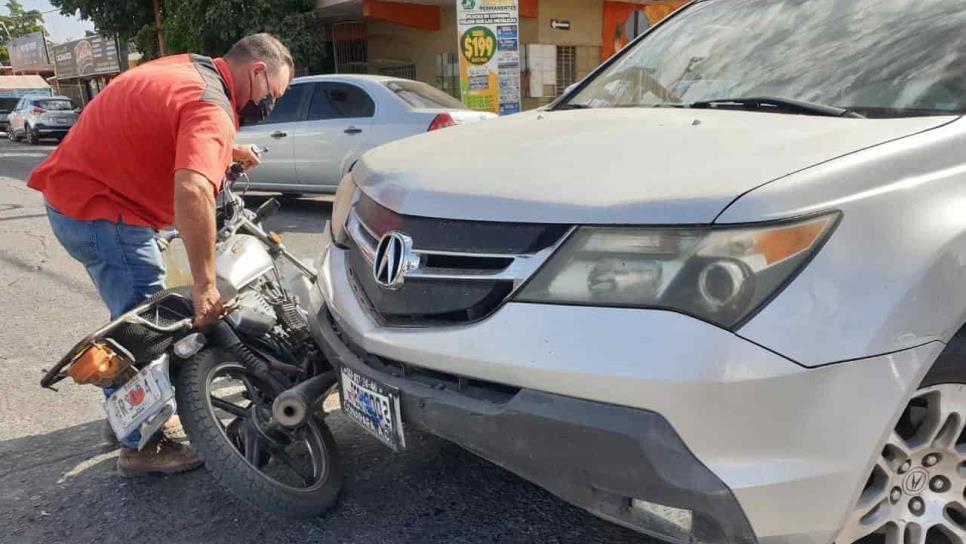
(23, 82)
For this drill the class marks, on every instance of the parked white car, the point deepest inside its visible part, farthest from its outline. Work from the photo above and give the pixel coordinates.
(323, 124)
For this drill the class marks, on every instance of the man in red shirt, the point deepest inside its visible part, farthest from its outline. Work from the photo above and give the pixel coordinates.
(149, 152)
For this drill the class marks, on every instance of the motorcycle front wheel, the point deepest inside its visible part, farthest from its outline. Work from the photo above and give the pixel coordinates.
(227, 417)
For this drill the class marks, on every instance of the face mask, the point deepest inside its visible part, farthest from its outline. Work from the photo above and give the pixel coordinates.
(255, 112)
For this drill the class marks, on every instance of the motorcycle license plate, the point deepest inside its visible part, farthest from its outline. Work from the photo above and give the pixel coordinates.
(372, 405)
(139, 399)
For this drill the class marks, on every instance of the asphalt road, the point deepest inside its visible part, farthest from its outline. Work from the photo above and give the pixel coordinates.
(57, 476)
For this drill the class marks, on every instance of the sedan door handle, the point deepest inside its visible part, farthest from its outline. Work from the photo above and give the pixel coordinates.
(278, 134)
(352, 130)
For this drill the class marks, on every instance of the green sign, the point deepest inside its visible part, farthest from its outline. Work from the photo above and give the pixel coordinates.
(479, 45)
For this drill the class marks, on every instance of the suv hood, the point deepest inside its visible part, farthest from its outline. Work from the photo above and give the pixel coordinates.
(609, 166)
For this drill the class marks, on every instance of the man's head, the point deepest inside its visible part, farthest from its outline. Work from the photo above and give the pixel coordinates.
(262, 69)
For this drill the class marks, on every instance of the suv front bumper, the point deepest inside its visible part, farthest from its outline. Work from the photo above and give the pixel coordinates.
(597, 456)
(793, 445)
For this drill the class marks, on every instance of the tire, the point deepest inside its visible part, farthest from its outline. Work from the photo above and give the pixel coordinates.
(950, 366)
(924, 449)
(32, 135)
(229, 466)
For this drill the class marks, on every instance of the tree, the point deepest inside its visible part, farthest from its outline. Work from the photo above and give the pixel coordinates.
(18, 22)
(208, 27)
(119, 18)
(211, 27)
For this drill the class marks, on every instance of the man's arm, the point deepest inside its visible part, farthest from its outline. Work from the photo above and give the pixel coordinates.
(194, 215)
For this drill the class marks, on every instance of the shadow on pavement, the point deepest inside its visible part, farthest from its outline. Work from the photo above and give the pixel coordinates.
(297, 214)
(62, 487)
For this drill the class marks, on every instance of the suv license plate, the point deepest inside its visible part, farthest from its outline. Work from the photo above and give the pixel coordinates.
(372, 405)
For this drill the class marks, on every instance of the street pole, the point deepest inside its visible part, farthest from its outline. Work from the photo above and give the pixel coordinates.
(157, 24)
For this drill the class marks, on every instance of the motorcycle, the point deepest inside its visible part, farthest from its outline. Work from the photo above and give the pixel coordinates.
(247, 389)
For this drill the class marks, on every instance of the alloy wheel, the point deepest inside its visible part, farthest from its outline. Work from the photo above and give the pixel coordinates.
(916, 493)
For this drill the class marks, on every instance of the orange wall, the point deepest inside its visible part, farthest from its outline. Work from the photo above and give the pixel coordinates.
(617, 13)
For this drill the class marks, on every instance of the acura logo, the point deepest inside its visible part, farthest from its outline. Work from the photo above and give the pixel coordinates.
(915, 482)
(394, 257)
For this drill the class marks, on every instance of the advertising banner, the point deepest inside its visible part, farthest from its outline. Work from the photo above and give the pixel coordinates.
(91, 56)
(29, 53)
(489, 51)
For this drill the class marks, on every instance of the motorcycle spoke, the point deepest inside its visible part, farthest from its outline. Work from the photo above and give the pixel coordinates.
(282, 456)
(253, 448)
(232, 409)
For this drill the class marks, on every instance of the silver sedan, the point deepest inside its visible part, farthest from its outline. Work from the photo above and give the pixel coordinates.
(323, 124)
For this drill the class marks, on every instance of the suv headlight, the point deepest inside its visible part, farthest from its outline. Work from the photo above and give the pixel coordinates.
(718, 274)
(345, 198)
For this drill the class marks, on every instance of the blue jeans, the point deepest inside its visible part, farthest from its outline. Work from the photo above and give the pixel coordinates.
(123, 261)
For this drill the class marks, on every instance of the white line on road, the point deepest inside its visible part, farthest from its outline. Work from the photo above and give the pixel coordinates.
(23, 154)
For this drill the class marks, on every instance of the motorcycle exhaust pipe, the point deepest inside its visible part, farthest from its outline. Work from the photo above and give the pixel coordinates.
(293, 406)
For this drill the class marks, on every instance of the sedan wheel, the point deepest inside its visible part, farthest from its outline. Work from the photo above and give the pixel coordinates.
(915, 494)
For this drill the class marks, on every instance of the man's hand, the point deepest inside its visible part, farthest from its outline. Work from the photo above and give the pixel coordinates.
(207, 304)
(246, 156)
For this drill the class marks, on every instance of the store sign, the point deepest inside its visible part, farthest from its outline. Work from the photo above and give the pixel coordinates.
(91, 56)
(29, 53)
(557, 24)
(489, 51)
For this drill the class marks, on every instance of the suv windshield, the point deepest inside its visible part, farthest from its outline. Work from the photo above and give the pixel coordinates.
(878, 58)
(421, 95)
(54, 105)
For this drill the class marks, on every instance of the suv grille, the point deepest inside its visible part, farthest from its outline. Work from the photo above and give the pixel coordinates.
(466, 269)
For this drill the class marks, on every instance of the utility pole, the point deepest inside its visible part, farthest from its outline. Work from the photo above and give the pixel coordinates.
(157, 24)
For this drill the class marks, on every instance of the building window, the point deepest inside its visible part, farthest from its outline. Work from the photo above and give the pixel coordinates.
(566, 67)
(350, 46)
(448, 73)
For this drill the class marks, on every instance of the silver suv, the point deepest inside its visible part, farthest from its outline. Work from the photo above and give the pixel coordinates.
(37, 117)
(715, 293)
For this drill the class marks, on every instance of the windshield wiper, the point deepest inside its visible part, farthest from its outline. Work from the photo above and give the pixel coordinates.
(770, 103)
(571, 106)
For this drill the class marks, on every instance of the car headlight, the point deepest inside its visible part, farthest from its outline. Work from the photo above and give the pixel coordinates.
(718, 274)
(345, 197)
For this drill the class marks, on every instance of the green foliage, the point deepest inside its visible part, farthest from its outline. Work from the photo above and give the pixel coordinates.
(18, 22)
(120, 18)
(209, 27)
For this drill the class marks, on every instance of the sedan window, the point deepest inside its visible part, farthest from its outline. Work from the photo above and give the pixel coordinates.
(421, 95)
(340, 101)
(287, 109)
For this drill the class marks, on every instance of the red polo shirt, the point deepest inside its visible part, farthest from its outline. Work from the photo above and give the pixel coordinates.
(118, 161)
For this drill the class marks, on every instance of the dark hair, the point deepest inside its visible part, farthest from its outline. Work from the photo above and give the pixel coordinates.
(264, 47)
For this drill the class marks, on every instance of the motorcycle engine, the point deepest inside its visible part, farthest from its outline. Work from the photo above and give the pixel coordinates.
(253, 315)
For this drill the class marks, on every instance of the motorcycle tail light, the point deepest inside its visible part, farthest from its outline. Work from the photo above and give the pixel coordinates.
(99, 365)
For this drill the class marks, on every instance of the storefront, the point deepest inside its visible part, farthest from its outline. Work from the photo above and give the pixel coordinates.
(85, 66)
(561, 41)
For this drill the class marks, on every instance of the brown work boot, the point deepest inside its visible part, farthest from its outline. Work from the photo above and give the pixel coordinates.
(160, 457)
